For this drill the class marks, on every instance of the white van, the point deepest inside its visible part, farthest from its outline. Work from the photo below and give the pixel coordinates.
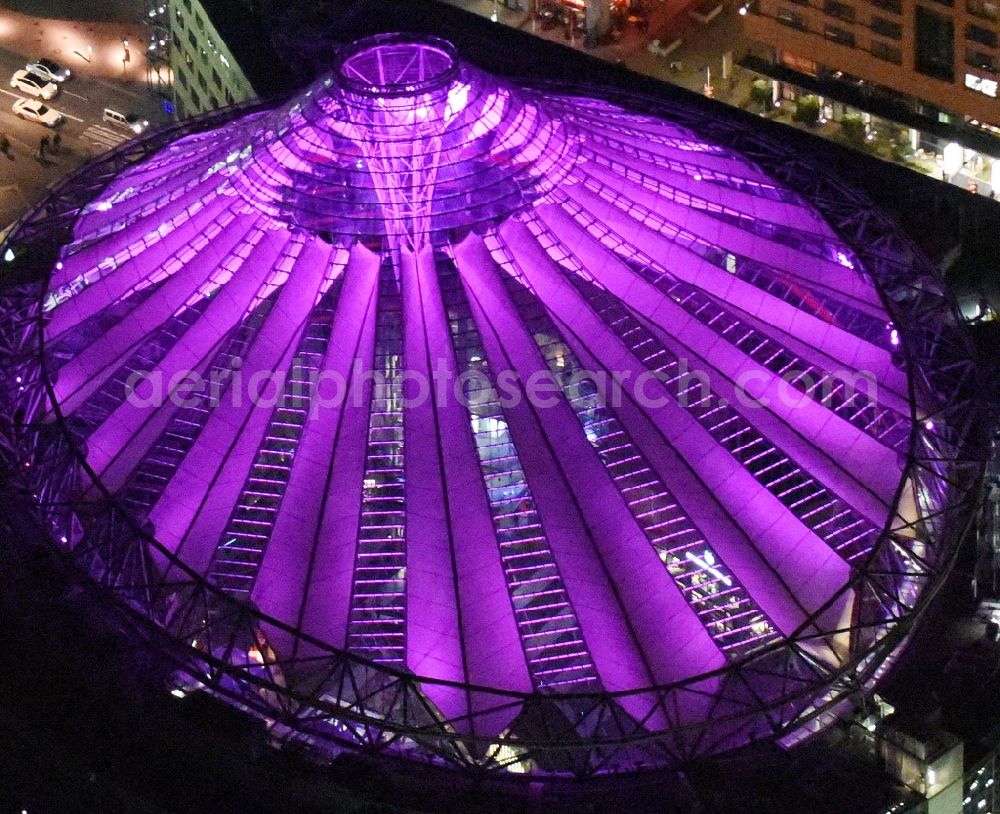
(130, 121)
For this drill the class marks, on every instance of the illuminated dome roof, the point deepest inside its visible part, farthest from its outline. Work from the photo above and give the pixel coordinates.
(534, 431)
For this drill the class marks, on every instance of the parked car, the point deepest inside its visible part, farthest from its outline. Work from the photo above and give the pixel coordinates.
(27, 82)
(33, 110)
(127, 120)
(48, 70)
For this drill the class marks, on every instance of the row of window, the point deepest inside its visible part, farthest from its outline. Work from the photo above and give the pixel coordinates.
(216, 78)
(211, 103)
(182, 78)
(214, 91)
(977, 33)
(198, 19)
(842, 36)
(845, 12)
(879, 49)
(935, 52)
(200, 25)
(987, 9)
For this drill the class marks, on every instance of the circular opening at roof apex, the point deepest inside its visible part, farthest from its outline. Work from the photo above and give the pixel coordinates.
(397, 65)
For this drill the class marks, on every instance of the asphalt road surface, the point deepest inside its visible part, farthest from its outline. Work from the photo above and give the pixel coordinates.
(81, 100)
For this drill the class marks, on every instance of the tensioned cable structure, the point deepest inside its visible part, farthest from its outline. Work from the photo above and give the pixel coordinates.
(525, 429)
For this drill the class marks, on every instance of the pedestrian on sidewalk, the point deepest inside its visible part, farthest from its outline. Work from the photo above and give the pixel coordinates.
(5, 145)
(56, 141)
(43, 143)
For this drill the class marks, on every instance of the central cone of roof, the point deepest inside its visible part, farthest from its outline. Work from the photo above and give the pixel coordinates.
(400, 139)
(411, 218)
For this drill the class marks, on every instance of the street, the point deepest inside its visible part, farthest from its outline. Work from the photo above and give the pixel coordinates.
(81, 99)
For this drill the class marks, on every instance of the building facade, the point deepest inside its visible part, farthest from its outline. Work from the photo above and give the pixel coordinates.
(932, 767)
(206, 73)
(941, 54)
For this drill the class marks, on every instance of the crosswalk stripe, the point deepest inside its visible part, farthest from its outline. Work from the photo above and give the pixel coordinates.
(104, 131)
(101, 136)
(98, 140)
(107, 131)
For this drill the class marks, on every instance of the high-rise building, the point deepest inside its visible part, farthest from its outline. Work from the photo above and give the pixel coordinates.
(940, 54)
(207, 73)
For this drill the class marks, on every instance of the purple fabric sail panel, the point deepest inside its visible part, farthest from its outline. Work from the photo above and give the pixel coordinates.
(522, 394)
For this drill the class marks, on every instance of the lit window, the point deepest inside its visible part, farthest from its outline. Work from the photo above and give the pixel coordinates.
(980, 84)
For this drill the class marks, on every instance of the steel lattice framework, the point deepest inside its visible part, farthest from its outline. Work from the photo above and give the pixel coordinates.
(584, 587)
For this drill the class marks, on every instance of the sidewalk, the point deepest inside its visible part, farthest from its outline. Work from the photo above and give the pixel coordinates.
(77, 9)
(90, 48)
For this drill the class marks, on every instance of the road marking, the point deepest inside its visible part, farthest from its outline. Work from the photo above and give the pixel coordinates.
(77, 95)
(105, 145)
(116, 87)
(108, 133)
(102, 137)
